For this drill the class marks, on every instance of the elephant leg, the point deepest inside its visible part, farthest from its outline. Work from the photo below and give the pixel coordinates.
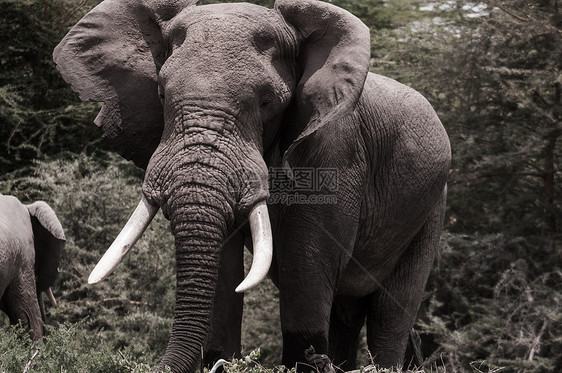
(309, 266)
(393, 308)
(20, 304)
(347, 319)
(305, 320)
(223, 341)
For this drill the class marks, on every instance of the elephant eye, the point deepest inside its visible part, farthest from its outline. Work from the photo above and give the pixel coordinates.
(267, 108)
(266, 99)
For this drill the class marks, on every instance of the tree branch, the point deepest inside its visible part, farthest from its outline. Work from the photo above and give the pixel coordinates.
(517, 17)
(28, 365)
(125, 301)
(537, 341)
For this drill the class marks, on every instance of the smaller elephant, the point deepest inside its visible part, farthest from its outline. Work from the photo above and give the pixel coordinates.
(31, 242)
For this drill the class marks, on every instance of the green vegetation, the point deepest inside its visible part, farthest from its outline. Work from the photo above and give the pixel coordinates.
(69, 348)
(40, 114)
(66, 350)
(492, 70)
(93, 202)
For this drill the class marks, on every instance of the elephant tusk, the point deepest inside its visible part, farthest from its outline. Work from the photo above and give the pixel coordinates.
(51, 297)
(262, 241)
(217, 365)
(131, 232)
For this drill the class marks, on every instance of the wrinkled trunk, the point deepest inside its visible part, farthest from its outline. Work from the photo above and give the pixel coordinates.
(199, 223)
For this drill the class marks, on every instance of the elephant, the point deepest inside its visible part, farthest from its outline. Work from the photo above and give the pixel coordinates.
(31, 243)
(264, 128)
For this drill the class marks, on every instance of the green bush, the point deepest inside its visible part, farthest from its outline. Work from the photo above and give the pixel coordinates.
(68, 348)
(132, 309)
(495, 302)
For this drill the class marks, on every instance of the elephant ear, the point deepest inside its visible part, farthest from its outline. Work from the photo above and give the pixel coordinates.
(49, 240)
(334, 55)
(112, 55)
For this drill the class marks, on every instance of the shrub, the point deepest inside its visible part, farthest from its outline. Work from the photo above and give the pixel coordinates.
(67, 348)
(132, 309)
(495, 302)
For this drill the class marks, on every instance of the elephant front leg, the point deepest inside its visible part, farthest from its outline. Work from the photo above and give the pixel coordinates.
(226, 323)
(309, 268)
(305, 313)
(20, 304)
(348, 318)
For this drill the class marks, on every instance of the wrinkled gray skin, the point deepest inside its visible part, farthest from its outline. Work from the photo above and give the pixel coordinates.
(31, 241)
(206, 98)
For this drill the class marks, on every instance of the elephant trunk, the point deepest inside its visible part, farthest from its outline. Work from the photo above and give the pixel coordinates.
(201, 200)
(199, 230)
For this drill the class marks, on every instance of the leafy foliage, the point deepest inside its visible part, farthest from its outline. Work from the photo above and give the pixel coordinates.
(93, 201)
(493, 302)
(251, 364)
(40, 114)
(380, 14)
(492, 70)
(69, 348)
(493, 74)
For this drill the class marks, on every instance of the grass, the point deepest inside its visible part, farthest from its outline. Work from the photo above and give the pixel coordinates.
(72, 348)
(67, 348)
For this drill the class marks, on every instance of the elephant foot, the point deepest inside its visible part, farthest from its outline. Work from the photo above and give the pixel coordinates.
(321, 362)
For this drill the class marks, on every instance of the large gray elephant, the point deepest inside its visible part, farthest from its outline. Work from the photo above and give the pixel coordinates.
(31, 242)
(211, 99)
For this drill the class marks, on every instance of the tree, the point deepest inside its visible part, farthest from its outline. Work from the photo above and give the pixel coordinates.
(493, 72)
(516, 112)
(39, 113)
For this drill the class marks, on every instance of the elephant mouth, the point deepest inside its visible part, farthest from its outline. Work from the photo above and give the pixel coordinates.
(260, 229)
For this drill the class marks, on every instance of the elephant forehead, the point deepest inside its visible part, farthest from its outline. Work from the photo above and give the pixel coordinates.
(227, 49)
(220, 25)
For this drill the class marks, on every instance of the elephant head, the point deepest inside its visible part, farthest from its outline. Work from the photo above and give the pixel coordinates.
(196, 95)
(48, 241)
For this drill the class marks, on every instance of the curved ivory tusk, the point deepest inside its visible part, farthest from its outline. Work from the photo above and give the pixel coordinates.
(218, 364)
(131, 232)
(262, 241)
(51, 297)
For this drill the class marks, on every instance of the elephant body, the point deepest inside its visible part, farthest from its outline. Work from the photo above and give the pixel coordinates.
(377, 254)
(31, 240)
(227, 106)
